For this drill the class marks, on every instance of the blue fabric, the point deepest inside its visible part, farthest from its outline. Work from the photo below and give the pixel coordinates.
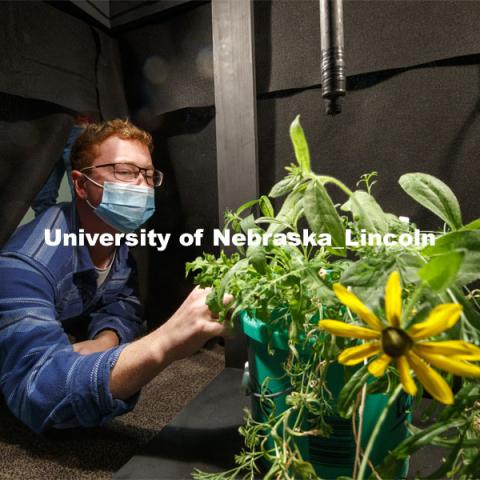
(45, 290)
(47, 196)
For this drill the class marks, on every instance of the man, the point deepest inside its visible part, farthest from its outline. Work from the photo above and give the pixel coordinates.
(45, 380)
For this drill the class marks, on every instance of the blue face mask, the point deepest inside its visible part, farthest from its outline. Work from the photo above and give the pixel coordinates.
(124, 207)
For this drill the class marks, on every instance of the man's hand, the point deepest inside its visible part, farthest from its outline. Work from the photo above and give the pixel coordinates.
(182, 335)
(190, 326)
(103, 341)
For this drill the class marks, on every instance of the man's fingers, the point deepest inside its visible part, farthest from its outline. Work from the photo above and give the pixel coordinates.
(216, 329)
(202, 291)
(227, 298)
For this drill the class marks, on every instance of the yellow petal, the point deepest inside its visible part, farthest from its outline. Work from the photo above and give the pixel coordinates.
(452, 365)
(354, 355)
(430, 379)
(356, 306)
(393, 299)
(459, 349)
(342, 329)
(441, 318)
(377, 367)
(407, 381)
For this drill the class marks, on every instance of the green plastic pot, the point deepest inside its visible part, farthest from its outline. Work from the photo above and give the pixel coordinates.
(331, 456)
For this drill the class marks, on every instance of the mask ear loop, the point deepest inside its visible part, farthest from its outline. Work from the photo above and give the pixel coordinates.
(95, 183)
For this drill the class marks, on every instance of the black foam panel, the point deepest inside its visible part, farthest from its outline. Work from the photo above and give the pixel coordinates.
(32, 137)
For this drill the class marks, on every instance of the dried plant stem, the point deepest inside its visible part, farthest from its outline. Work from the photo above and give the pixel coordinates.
(358, 435)
(392, 399)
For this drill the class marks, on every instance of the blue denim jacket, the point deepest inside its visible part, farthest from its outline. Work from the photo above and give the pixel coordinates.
(42, 290)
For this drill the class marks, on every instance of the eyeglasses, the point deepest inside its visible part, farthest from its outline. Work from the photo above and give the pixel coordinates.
(127, 172)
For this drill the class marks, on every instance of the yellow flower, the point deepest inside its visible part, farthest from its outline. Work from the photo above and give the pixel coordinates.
(406, 347)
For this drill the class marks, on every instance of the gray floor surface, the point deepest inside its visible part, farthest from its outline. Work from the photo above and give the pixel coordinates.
(97, 453)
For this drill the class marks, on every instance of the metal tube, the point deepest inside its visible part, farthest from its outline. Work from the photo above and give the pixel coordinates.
(332, 63)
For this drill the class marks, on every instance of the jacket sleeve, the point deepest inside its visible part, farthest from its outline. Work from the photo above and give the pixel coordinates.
(44, 382)
(120, 309)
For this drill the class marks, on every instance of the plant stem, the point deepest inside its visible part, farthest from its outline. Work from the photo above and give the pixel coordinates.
(327, 179)
(376, 431)
(410, 305)
(467, 330)
(359, 431)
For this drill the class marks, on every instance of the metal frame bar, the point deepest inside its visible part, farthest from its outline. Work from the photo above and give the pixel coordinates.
(236, 117)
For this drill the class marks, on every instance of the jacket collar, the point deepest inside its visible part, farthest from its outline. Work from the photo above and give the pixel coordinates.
(82, 261)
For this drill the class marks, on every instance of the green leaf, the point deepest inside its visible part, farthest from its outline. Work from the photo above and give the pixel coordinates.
(466, 241)
(288, 212)
(219, 294)
(284, 186)
(441, 271)
(389, 468)
(300, 145)
(419, 440)
(321, 215)
(245, 206)
(471, 470)
(346, 398)
(248, 223)
(367, 212)
(470, 312)
(408, 263)
(449, 461)
(347, 206)
(379, 385)
(435, 195)
(266, 206)
(367, 277)
(257, 258)
(475, 225)
(395, 225)
(304, 469)
(367, 272)
(317, 287)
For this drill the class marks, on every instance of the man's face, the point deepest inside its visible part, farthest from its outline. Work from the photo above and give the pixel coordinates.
(118, 151)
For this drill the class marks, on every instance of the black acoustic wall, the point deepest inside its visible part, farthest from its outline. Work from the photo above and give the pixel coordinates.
(169, 61)
(422, 119)
(50, 55)
(52, 65)
(412, 103)
(32, 133)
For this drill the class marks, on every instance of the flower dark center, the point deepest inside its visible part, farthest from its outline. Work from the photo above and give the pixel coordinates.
(395, 342)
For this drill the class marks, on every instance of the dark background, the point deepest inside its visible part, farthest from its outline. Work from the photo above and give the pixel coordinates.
(412, 103)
